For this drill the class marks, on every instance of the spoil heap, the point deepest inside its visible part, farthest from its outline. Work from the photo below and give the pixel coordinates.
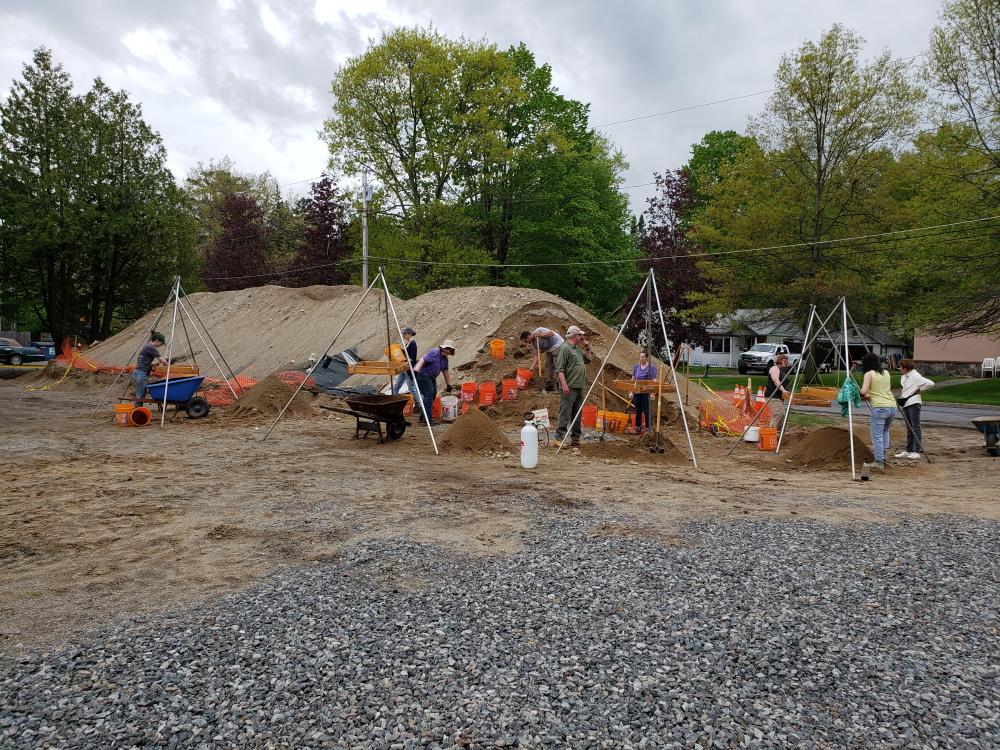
(268, 398)
(476, 433)
(827, 448)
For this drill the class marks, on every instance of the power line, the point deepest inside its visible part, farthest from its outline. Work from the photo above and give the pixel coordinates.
(957, 227)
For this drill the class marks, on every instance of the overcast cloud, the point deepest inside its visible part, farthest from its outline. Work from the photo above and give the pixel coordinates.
(250, 79)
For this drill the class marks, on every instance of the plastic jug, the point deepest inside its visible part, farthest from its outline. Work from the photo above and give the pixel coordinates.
(529, 445)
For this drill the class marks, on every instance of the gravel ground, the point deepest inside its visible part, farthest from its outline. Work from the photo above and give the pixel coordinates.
(756, 634)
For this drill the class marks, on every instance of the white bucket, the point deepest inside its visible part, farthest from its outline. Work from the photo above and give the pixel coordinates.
(753, 435)
(449, 408)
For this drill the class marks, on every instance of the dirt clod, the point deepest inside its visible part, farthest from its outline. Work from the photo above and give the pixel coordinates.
(476, 433)
(268, 398)
(827, 448)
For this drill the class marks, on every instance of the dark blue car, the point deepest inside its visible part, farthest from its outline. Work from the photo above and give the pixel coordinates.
(12, 353)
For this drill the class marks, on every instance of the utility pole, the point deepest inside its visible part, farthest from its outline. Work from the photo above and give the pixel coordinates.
(364, 229)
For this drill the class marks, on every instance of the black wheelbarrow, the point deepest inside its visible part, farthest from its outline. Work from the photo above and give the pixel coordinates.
(371, 412)
(990, 427)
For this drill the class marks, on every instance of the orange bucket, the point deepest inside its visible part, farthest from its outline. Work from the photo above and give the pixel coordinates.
(508, 390)
(523, 377)
(436, 408)
(488, 393)
(497, 347)
(395, 353)
(768, 439)
(588, 417)
(465, 406)
(469, 392)
(121, 414)
(408, 409)
(140, 416)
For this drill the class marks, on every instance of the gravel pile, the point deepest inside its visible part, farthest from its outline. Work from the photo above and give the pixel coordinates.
(759, 634)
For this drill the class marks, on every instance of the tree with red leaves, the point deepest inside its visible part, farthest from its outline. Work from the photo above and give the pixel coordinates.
(325, 240)
(238, 258)
(665, 241)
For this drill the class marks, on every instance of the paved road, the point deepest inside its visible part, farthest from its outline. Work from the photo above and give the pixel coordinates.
(939, 414)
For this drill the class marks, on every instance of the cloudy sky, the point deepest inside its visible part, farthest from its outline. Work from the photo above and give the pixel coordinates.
(250, 78)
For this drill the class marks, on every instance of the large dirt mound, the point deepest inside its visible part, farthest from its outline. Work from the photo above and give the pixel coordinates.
(476, 433)
(828, 448)
(634, 449)
(268, 398)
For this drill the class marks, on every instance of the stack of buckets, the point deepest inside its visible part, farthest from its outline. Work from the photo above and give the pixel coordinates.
(129, 415)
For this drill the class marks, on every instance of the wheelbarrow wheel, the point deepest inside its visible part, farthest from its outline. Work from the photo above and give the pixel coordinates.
(395, 430)
(196, 408)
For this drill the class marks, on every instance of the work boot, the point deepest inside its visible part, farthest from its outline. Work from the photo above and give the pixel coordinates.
(574, 443)
(878, 465)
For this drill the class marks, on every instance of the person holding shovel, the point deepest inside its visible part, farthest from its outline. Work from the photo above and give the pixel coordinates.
(645, 370)
(911, 403)
(432, 364)
(149, 355)
(548, 341)
(571, 369)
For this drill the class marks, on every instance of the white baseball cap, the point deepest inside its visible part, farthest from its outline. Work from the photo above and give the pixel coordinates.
(573, 331)
(448, 344)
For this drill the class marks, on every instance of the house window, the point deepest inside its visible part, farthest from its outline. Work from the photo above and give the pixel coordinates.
(719, 344)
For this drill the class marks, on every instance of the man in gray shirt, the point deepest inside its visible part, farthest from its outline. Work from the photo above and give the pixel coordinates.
(148, 356)
(544, 340)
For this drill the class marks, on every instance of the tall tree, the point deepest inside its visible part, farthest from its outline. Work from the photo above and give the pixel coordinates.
(40, 156)
(964, 68)
(239, 255)
(326, 240)
(679, 279)
(822, 149)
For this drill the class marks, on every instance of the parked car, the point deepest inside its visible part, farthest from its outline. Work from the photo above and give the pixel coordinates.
(760, 357)
(12, 353)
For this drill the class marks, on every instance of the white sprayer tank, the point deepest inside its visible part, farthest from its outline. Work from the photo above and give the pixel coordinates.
(529, 446)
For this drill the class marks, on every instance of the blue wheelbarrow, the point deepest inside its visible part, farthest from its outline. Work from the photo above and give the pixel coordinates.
(990, 427)
(181, 394)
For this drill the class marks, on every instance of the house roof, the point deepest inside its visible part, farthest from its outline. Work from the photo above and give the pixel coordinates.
(775, 321)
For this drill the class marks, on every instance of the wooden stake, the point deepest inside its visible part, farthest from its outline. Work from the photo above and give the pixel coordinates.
(659, 401)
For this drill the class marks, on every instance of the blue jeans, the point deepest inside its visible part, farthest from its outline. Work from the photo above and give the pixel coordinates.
(881, 419)
(428, 390)
(403, 377)
(139, 379)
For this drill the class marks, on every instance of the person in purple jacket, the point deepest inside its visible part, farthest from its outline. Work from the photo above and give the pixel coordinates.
(432, 364)
(645, 370)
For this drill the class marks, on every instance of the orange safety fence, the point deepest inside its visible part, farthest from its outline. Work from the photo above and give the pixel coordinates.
(217, 391)
(730, 413)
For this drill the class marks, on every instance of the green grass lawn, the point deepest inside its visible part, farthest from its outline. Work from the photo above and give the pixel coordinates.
(979, 392)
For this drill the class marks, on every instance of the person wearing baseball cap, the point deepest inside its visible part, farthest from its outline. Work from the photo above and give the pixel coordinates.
(148, 356)
(571, 369)
(411, 353)
(432, 364)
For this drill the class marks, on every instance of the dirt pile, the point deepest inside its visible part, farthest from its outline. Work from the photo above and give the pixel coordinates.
(827, 448)
(268, 398)
(528, 400)
(476, 433)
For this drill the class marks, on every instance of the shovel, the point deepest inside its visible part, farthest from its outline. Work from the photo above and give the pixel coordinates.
(541, 379)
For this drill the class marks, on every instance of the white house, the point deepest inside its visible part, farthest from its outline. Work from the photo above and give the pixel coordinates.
(733, 334)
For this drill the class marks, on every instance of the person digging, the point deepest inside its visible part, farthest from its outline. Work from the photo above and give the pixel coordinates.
(432, 364)
(544, 341)
(571, 369)
(149, 355)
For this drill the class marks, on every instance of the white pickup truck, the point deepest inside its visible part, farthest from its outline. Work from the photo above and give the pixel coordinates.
(760, 357)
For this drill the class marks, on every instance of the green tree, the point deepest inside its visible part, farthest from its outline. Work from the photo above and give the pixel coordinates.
(716, 150)
(814, 175)
(964, 158)
(39, 159)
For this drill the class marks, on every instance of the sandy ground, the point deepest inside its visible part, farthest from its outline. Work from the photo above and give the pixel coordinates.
(98, 523)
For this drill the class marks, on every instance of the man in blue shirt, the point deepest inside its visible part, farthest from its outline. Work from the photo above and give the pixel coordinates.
(432, 364)
(148, 356)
